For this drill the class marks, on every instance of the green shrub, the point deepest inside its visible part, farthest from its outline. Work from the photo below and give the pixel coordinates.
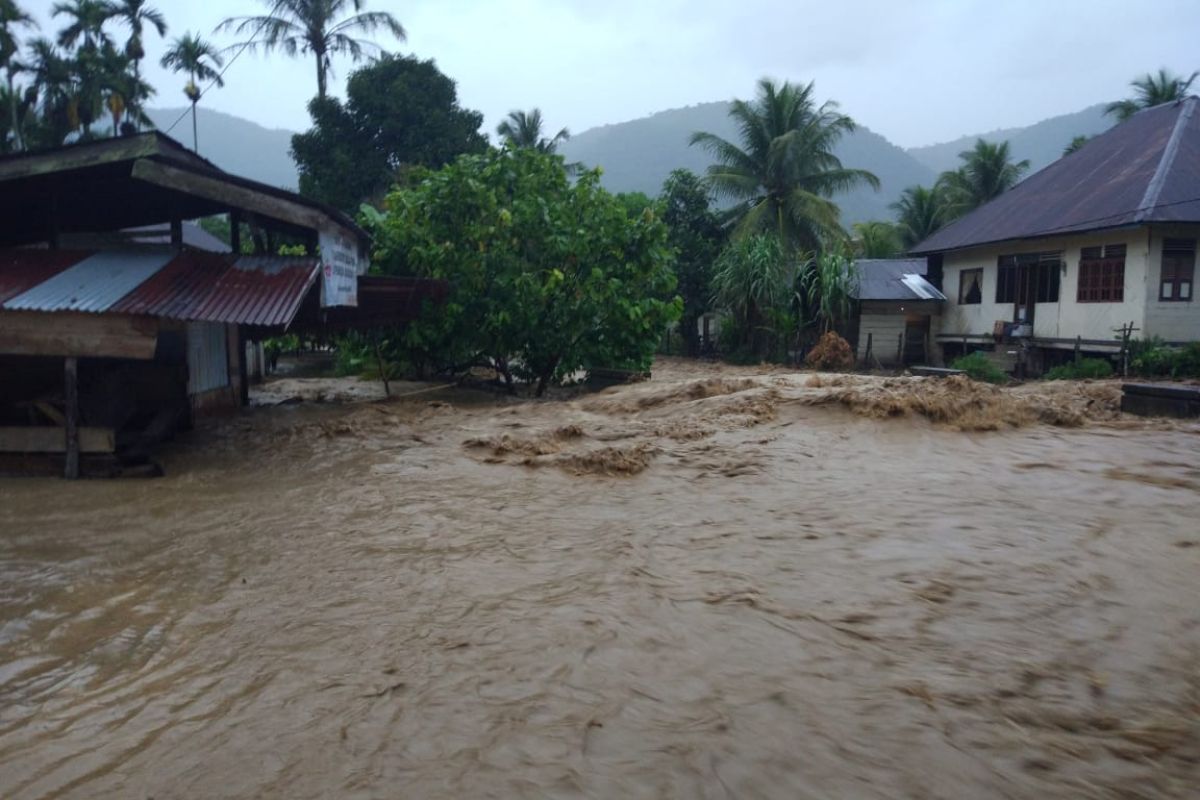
(978, 368)
(1154, 358)
(1084, 369)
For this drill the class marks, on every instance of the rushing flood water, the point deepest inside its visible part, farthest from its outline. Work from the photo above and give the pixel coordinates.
(704, 586)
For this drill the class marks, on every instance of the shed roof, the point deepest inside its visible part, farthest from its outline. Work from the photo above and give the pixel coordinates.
(895, 279)
(1144, 170)
(193, 286)
(135, 181)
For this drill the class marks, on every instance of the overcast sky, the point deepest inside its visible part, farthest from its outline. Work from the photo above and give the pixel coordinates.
(918, 72)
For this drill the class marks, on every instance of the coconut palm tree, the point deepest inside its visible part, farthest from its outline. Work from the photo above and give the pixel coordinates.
(920, 211)
(784, 173)
(1076, 143)
(876, 239)
(987, 172)
(12, 17)
(201, 61)
(316, 27)
(136, 15)
(522, 129)
(86, 21)
(1152, 90)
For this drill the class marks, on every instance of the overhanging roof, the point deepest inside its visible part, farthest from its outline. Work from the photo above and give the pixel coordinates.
(1145, 170)
(135, 181)
(191, 286)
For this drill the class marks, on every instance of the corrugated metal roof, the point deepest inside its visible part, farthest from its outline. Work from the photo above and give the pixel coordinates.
(213, 288)
(894, 279)
(193, 286)
(1146, 169)
(21, 270)
(93, 284)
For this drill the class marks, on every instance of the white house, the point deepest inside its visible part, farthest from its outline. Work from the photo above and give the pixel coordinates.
(1101, 238)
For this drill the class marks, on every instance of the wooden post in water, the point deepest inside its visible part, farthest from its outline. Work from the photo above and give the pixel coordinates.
(900, 351)
(71, 393)
(867, 355)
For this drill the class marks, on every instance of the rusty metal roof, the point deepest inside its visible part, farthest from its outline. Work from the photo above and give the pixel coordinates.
(192, 286)
(93, 284)
(21, 270)
(1141, 171)
(218, 288)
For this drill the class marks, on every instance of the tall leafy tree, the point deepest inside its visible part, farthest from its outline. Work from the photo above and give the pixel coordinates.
(1150, 90)
(987, 172)
(85, 23)
(547, 275)
(12, 17)
(202, 62)
(920, 212)
(399, 112)
(317, 28)
(524, 129)
(695, 234)
(784, 174)
(137, 15)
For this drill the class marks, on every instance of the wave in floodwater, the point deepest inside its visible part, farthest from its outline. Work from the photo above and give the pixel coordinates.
(719, 583)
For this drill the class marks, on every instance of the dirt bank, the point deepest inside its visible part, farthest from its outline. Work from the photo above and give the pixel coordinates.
(723, 582)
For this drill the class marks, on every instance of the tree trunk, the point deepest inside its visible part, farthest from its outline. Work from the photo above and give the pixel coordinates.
(18, 143)
(195, 131)
(321, 75)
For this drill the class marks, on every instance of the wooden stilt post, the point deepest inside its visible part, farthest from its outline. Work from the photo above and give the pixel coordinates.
(71, 393)
(235, 232)
(868, 354)
(900, 351)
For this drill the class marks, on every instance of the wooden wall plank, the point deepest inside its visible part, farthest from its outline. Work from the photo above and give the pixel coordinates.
(48, 439)
(37, 333)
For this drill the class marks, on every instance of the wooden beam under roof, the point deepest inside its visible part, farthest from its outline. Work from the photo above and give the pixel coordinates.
(234, 196)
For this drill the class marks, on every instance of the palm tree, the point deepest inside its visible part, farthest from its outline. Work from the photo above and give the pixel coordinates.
(1152, 90)
(136, 15)
(784, 173)
(523, 129)
(876, 239)
(920, 211)
(1076, 143)
(191, 54)
(987, 172)
(11, 18)
(52, 89)
(87, 20)
(301, 27)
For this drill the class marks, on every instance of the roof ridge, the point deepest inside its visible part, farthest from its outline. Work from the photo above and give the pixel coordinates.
(1154, 187)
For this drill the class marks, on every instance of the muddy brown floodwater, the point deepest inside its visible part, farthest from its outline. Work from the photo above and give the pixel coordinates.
(720, 583)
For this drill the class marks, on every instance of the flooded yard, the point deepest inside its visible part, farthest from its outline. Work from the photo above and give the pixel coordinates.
(720, 583)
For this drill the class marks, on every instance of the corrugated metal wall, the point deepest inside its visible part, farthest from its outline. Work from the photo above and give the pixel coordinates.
(208, 359)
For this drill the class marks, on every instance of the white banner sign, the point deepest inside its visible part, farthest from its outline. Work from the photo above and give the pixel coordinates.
(339, 270)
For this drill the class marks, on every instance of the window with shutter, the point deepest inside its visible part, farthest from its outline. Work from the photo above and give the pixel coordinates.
(1178, 268)
(1101, 274)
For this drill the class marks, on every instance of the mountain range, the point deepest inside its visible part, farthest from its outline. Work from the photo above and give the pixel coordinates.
(637, 156)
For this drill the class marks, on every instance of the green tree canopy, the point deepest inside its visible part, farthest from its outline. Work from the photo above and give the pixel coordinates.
(920, 212)
(987, 172)
(1076, 143)
(315, 27)
(1150, 90)
(399, 112)
(547, 276)
(783, 173)
(695, 234)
